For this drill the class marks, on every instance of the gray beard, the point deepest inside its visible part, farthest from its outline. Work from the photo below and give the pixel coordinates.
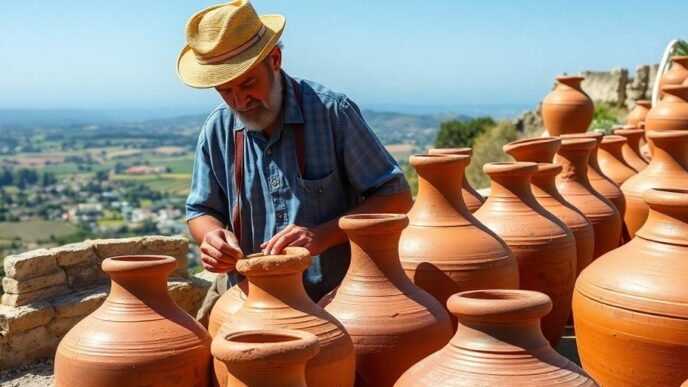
(271, 112)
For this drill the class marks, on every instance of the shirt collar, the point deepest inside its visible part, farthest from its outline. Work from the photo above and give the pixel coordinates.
(291, 110)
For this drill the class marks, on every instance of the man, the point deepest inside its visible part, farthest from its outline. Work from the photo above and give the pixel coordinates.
(281, 160)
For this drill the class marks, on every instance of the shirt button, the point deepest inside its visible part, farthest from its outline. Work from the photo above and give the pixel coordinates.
(275, 183)
(320, 190)
(268, 152)
(279, 215)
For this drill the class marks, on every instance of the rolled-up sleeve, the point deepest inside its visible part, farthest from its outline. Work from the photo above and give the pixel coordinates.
(370, 168)
(206, 196)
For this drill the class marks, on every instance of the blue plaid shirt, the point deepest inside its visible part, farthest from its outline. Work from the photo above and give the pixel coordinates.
(344, 162)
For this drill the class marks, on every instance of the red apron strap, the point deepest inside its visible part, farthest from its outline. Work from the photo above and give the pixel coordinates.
(298, 132)
(238, 181)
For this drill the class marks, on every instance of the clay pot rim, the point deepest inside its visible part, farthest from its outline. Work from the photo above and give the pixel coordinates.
(520, 144)
(613, 139)
(139, 264)
(565, 78)
(429, 160)
(511, 168)
(596, 135)
(451, 151)
(292, 260)
(676, 90)
(373, 223)
(547, 169)
(498, 305)
(683, 59)
(629, 131)
(646, 103)
(667, 197)
(667, 135)
(586, 143)
(272, 345)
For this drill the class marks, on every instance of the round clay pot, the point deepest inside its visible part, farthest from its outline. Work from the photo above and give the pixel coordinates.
(498, 343)
(574, 186)
(631, 150)
(668, 169)
(599, 181)
(567, 109)
(445, 249)
(228, 304)
(138, 336)
(671, 113)
(277, 299)
(275, 357)
(676, 75)
(542, 151)
(631, 305)
(544, 247)
(394, 323)
(639, 112)
(611, 161)
(471, 197)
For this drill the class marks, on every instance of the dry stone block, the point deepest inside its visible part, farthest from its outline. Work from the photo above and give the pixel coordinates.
(187, 294)
(30, 264)
(106, 248)
(177, 247)
(33, 344)
(60, 326)
(74, 253)
(21, 318)
(85, 274)
(80, 303)
(11, 285)
(27, 298)
(606, 86)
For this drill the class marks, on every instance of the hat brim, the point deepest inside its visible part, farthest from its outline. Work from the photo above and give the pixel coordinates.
(198, 75)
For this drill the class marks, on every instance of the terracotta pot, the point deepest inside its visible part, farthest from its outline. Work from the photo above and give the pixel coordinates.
(138, 336)
(471, 197)
(544, 247)
(668, 169)
(639, 112)
(498, 343)
(275, 357)
(671, 113)
(567, 109)
(542, 151)
(631, 305)
(599, 181)
(394, 323)
(611, 161)
(277, 300)
(228, 304)
(676, 75)
(631, 150)
(574, 186)
(445, 249)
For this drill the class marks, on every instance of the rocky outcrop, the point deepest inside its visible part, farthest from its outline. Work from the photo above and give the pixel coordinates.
(47, 291)
(616, 88)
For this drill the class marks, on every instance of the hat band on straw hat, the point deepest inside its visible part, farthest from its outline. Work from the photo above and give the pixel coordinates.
(236, 51)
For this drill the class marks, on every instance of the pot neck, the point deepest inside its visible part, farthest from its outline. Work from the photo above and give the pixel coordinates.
(613, 149)
(669, 153)
(667, 221)
(543, 182)
(574, 163)
(569, 82)
(284, 288)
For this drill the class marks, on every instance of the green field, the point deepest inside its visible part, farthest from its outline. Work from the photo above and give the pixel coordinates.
(35, 230)
(176, 184)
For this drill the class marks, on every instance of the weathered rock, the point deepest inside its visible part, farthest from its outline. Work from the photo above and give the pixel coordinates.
(27, 298)
(85, 274)
(188, 294)
(606, 86)
(638, 86)
(11, 285)
(60, 326)
(177, 247)
(530, 123)
(74, 253)
(80, 303)
(30, 264)
(16, 319)
(32, 344)
(106, 248)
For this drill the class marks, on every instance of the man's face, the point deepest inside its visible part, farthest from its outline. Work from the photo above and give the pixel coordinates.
(256, 96)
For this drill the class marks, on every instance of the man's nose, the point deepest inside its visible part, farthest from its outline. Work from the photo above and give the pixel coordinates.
(240, 99)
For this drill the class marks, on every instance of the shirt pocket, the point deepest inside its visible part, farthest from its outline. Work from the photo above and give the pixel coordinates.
(315, 197)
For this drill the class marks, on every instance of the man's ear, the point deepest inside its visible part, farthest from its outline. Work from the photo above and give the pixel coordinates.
(275, 58)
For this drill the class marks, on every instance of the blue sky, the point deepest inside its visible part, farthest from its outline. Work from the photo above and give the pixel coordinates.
(121, 55)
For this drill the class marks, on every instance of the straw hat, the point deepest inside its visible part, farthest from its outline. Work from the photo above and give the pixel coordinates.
(224, 41)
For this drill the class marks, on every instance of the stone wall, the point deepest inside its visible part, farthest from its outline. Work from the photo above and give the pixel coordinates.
(616, 88)
(47, 291)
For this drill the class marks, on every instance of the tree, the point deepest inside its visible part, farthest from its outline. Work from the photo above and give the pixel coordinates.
(457, 134)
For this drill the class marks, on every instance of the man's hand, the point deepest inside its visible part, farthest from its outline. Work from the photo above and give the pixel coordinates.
(312, 239)
(219, 251)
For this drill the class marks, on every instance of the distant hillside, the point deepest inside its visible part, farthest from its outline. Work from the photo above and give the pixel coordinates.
(396, 128)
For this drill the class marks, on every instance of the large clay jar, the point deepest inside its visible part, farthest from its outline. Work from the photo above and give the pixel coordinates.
(277, 300)
(445, 249)
(611, 161)
(542, 151)
(138, 336)
(671, 113)
(567, 109)
(498, 343)
(631, 149)
(574, 186)
(631, 305)
(544, 247)
(228, 304)
(601, 183)
(275, 357)
(676, 75)
(394, 323)
(668, 169)
(637, 115)
(471, 197)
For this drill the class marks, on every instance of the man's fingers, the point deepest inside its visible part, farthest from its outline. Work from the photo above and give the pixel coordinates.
(220, 243)
(269, 245)
(283, 241)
